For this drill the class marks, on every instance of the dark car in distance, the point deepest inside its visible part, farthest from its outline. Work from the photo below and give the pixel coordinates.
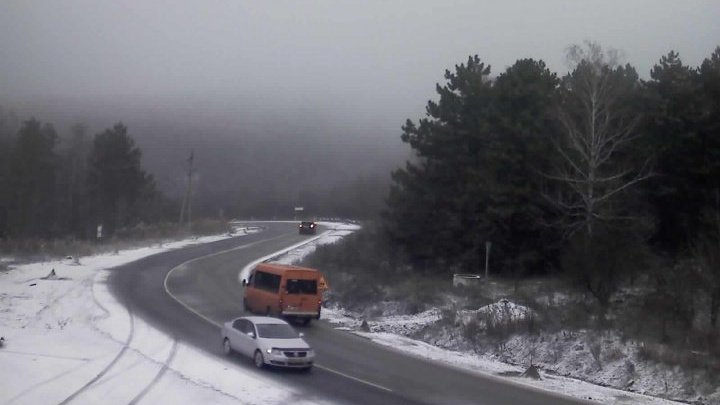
(307, 228)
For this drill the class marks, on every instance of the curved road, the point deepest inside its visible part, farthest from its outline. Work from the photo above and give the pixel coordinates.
(350, 369)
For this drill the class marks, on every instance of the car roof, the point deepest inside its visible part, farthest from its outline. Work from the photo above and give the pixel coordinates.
(263, 320)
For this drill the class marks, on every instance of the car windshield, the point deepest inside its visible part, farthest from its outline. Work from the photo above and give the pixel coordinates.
(276, 331)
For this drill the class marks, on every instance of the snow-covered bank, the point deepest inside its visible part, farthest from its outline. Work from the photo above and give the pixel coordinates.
(393, 330)
(69, 340)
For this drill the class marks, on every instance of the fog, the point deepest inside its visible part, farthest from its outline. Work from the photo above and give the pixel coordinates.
(285, 101)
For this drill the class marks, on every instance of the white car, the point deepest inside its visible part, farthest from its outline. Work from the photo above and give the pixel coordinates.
(268, 341)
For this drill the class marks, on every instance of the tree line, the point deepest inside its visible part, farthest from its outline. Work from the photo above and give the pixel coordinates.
(53, 186)
(597, 173)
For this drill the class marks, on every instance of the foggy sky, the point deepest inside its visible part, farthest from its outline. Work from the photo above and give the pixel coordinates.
(342, 73)
(386, 53)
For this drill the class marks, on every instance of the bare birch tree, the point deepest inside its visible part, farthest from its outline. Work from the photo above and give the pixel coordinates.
(597, 128)
(596, 169)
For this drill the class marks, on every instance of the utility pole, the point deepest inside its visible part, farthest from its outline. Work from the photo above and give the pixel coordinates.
(186, 205)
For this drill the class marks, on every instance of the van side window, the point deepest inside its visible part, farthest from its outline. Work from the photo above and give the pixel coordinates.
(267, 281)
(295, 286)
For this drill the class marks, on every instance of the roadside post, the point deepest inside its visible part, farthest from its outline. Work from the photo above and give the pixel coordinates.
(488, 245)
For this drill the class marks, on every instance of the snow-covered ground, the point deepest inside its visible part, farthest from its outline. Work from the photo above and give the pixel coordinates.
(392, 330)
(67, 338)
(600, 358)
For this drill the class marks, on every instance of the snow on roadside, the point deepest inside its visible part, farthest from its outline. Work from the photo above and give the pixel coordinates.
(296, 253)
(501, 312)
(335, 232)
(393, 330)
(488, 366)
(67, 337)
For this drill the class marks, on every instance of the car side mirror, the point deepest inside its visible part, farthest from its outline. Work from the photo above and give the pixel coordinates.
(251, 334)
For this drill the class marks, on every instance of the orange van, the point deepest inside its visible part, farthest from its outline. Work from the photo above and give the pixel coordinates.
(289, 291)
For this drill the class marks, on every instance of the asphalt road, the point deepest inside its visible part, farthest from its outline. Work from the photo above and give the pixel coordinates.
(350, 369)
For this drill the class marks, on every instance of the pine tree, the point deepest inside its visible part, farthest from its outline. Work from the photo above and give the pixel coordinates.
(32, 204)
(433, 208)
(116, 181)
(73, 196)
(475, 176)
(684, 127)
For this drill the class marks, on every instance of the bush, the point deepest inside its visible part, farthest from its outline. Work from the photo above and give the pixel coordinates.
(419, 293)
(473, 332)
(601, 262)
(362, 270)
(40, 249)
(362, 249)
(449, 316)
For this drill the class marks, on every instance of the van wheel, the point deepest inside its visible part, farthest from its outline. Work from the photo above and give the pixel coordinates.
(245, 305)
(258, 358)
(268, 312)
(227, 349)
(305, 321)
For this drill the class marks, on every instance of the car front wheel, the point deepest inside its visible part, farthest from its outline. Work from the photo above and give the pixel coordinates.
(227, 349)
(259, 360)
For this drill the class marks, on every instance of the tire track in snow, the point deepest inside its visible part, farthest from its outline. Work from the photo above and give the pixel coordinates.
(63, 374)
(33, 387)
(107, 368)
(158, 376)
(56, 298)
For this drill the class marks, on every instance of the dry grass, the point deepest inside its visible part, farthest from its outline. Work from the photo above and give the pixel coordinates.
(686, 359)
(126, 238)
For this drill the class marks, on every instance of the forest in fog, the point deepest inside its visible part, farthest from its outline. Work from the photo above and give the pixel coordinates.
(256, 164)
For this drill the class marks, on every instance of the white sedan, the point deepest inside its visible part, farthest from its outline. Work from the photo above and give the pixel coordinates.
(268, 341)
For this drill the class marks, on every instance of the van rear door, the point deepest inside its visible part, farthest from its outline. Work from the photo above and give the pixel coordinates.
(301, 295)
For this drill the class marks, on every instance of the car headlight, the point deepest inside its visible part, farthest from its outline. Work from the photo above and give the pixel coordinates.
(274, 351)
(310, 352)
